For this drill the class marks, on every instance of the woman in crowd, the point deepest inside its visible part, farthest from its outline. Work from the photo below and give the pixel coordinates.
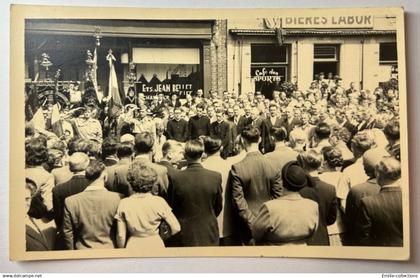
(40, 234)
(333, 160)
(142, 213)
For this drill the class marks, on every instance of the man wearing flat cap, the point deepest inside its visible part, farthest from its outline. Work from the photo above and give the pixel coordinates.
(290, 219)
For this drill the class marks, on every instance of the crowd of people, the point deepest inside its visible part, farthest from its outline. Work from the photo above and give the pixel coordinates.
(308, 167)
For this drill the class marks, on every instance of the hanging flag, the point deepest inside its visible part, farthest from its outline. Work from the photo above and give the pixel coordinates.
(38, 120)
(94, 73)
(115, 104)
(55, 114)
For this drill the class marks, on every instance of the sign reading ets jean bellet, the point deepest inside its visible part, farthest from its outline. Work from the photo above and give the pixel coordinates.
(332, 21)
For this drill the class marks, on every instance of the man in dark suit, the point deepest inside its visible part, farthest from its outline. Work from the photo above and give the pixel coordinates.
(125, 153)
(143, 147)
(174, 102)
(271, 123)
(282, 154)
(109, 151)
(254, 180)
(292, 119)
(379, 222)
(199, 124)
(325, 196)
(177, 128)
(173, 153)
(89, 215)
(343, 119)
(369, 188)
(77, 163)
(220, 130)
(244, 120)
(195, 196)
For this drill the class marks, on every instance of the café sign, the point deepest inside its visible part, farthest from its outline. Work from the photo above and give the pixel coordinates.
(332, 21)
(268, 74)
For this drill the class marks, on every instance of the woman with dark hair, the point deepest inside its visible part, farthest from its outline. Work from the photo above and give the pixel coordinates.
(36, 154)
(40, 235)
(142, 213)
(333, 160)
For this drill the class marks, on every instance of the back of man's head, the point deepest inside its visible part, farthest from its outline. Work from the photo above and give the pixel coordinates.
(310, 160)
(109, 147)
(144, 142)
(78, 162)
(389, 170)
(194, 149)
(125, 150)
(251, 135)
(371, 158)
(362, 142)
(94, 170)
(279, 134)
(323, 131)
(212, 145)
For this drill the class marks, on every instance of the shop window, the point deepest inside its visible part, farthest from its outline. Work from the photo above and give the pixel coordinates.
(167, 71)
(269, 67)
(388, 53)
(326, 59)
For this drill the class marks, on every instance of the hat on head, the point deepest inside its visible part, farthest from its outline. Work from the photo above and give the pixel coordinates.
(127, 138)
(78, 161)
(293, 176)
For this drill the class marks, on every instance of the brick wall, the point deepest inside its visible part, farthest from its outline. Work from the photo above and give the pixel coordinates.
(218, 56)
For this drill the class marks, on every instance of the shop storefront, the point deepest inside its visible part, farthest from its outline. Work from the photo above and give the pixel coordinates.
(152, 56)
(264, 53)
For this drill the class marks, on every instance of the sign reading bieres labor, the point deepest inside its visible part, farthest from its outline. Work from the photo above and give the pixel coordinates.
(333, 21)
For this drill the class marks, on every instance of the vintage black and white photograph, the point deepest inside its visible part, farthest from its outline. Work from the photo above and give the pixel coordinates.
(279, 130)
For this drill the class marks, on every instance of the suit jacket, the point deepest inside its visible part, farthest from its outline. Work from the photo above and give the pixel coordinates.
(89, 219)
(242, 123)
(122, 185)
(195, 196)
(327, 203)
(75, 185)
(379, 222)
(35, 241)
(110, 182)
(174, 105)
(198, 126)
(350, 127)
(220, 131)
(177, 130)
(353, 202)
(289, 126)
(281, 156)
(254, 180)
(283, 221)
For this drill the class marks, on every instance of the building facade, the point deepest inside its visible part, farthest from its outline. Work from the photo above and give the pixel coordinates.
(162, 56)
(265, 52)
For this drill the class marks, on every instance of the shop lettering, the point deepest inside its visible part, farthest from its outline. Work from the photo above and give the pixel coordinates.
(182, 89)
(266, 75)
(360, 21)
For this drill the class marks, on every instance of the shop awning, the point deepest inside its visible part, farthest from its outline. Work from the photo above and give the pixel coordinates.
(311, 32)
(123, 28)
(181, 56)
